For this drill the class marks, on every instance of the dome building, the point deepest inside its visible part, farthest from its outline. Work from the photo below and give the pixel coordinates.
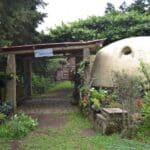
(123, 55)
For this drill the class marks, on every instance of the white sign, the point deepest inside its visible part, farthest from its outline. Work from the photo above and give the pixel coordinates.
(43, 52)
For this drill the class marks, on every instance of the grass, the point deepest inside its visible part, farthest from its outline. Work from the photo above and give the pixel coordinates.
(18, 126)
(45, 86)
(60, 86)
(69, 137)
(4, 144)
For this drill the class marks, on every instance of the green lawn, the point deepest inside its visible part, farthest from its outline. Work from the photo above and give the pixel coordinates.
(60, 86)
(4, 144)
(69, 137)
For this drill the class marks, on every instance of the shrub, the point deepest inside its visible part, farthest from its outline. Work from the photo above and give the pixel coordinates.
(101, 94)
(145, 69)
(6, 108)
(40, 84)
(145, 110)
(2, 117)
(128, 89)
(18, 126)
(146, 105)
(96, 98)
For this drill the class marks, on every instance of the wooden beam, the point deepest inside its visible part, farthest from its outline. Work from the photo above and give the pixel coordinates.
(57, 50)
(11, 84)
(63, 45)
(86, 59)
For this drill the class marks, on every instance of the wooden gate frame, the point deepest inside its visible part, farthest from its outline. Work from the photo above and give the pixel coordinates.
(83, 48)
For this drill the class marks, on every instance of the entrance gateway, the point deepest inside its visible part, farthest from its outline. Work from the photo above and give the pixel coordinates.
(25, 53)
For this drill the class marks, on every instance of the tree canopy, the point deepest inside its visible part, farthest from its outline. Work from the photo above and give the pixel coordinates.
(132, 20)
(109, 8)
(141, 6)
(113, 26)
(18, 21)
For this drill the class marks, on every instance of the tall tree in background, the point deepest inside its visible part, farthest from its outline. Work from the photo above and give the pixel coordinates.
(123, 7)
(18, 21)
(109, 8)
(141, 6)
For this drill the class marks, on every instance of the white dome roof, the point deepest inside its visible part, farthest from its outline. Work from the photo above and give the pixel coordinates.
(123, 55)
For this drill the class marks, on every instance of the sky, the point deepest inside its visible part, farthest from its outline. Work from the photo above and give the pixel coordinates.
(59, 11)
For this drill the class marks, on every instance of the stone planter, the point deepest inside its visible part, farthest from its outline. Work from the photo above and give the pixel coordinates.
(110, 120)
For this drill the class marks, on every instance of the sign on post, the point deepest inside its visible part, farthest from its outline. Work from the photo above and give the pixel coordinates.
(43, 52)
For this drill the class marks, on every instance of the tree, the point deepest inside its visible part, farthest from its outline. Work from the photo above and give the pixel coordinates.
(141, 6)
(123, 7)
(113, 26)
(18, 21)
(109, 8)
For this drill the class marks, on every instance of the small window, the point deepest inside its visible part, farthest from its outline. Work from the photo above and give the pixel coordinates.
(126, 51)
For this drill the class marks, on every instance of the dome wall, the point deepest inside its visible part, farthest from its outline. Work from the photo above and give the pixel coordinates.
(123, 55)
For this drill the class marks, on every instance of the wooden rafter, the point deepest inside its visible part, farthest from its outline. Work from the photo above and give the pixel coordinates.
(57, 47)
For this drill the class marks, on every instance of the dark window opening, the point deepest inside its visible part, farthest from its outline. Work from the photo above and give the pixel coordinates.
(126, 51)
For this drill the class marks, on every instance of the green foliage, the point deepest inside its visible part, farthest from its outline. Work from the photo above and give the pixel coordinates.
(113, 26)
(145, 69)
(98, 97)
(5, 145)
(60, 85)
(2, 117)
(128, 87)
(141, 6)
(103, 98)
(5, 76)
(18, 126)
(83, 105)
(143, 128)
(6, 108)
(95, 102)
(40, 84)
(47, 67)
(101, 94)
(19, 21)
(73, 136)
(84, 90)
(146, 107)
(43, 78)
(109, 8)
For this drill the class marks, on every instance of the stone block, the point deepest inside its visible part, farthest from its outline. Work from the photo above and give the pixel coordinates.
(110, 120)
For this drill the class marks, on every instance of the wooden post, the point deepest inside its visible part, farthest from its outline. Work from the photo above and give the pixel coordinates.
(28, 77)
(11, 84)
(86, 58)
(76, 92)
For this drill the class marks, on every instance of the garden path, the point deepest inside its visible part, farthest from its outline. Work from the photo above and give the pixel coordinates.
(54, 102)
(50, 110)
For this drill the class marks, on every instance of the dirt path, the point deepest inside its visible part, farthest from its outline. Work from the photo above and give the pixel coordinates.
(55, 102)
(49, 111)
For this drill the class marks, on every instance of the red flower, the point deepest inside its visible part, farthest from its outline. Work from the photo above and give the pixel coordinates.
(85, 97)
(139, 102)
